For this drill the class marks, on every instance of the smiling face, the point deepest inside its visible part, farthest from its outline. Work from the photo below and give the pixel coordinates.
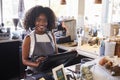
(41, 24)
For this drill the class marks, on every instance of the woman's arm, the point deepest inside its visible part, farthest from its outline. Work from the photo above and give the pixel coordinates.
(25, 53)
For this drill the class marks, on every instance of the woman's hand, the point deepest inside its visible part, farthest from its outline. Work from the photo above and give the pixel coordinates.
(39, 61)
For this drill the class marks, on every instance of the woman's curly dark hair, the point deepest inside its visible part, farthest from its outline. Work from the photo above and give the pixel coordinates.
(32, 14)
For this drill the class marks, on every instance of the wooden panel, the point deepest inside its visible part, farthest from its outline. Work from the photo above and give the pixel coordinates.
(71, 24)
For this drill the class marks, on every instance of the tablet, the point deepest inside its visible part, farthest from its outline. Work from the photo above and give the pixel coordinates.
(57, 59)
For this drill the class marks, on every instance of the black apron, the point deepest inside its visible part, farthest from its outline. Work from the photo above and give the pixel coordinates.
(42, 49)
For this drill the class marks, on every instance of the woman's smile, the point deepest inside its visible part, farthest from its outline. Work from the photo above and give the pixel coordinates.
(41, 23)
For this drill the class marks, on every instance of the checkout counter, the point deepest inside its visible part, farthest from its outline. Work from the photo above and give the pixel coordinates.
(84, 50)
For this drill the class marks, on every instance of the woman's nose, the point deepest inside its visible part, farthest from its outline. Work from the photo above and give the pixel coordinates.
(42, 22)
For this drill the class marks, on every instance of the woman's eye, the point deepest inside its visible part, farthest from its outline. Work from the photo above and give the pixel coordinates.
(42, 20)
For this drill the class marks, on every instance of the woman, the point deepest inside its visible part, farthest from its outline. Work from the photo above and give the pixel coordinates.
(40, 42)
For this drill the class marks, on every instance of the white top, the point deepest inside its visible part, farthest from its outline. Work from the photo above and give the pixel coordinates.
(39, 38)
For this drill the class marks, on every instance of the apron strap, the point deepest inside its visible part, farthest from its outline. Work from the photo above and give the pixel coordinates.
(56, 49)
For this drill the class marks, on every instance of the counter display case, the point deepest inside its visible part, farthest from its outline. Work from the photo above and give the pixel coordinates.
(9, 59)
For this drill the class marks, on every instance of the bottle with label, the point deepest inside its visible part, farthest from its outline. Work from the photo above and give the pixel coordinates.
(79, 41)
(119, 33)
(114, 32)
